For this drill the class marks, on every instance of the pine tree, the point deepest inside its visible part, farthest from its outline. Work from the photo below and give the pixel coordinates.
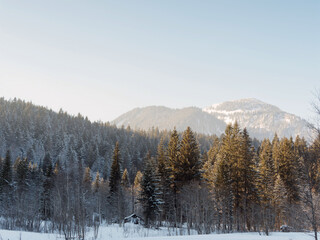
(173, 157)
(223, 194)
(149, 194)
(6, 174)
(275, 152)
(222, 181)
(280, 201)
(163, 171)
(267, 173)
(314, 152)
(46, 203)
(115, 175)
(21, 168)
(301, 155)
(188, 166)
(208, 165)
(162, 162)
(266, 184)
(233, 154)
(246, 178)
(47, 168)
(287, 169)
(105, 170)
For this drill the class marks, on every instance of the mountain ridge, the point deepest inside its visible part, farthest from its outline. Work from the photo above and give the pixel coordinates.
(261, 119)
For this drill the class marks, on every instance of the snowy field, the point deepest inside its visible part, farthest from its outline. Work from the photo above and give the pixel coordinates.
(133, 232)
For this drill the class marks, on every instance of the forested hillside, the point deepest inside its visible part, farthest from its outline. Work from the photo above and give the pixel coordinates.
(31, 132)
(63, 173)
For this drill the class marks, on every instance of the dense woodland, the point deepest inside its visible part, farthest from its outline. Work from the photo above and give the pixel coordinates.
(64, 173)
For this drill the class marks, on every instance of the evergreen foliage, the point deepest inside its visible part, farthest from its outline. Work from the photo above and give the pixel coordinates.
(6, 173)
(287, 169)
(188, 166)
(233, 186)
(150, 194)
(208, 166)
(115, 175)
(266, 172)
(173, 157)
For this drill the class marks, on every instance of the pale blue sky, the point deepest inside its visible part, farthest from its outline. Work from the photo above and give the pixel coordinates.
(103, 58)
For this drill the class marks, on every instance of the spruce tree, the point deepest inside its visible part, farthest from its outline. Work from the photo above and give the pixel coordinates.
(266, 173)
(233, 154)
(314, 152)
(246, 178)
(6, 174)
(222, 180)
(115, 175)
(280, 201)
(149, 194)
(188, 166)
(208, 166)
(47, 168)
(275, 152)
(46, 203)
(302, 155)
(21, 168)
(162, 162)
(163, 171)
(266, 184)
(116, 200)
(173, 157)
(287, 169)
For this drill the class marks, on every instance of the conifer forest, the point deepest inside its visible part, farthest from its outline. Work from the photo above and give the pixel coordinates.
(64, 173)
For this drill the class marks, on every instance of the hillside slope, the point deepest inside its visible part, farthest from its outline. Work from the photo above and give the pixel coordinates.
(261, 119)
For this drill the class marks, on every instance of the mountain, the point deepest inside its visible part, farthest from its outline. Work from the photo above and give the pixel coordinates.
(262, 120)
(167, 118)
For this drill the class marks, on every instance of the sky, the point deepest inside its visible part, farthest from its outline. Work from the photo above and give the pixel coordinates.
(104, 58)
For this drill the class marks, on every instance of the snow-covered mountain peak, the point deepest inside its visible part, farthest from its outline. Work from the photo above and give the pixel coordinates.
(241, 106)
(261, 119)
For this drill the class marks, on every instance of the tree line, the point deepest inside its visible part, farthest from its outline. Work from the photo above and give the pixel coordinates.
(231, 187)
(63, 173)
(234, 187)
(31, 132)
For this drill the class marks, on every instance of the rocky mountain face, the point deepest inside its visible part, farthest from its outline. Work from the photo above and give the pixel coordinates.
(262, 120)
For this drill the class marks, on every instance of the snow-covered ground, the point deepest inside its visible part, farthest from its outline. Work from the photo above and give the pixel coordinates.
(134, 232)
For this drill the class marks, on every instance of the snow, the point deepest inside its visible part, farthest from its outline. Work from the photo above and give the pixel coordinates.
(226, 112)
(227, 120)
(137, 232)
(239, 236)
(261, 119)
(17, 235)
